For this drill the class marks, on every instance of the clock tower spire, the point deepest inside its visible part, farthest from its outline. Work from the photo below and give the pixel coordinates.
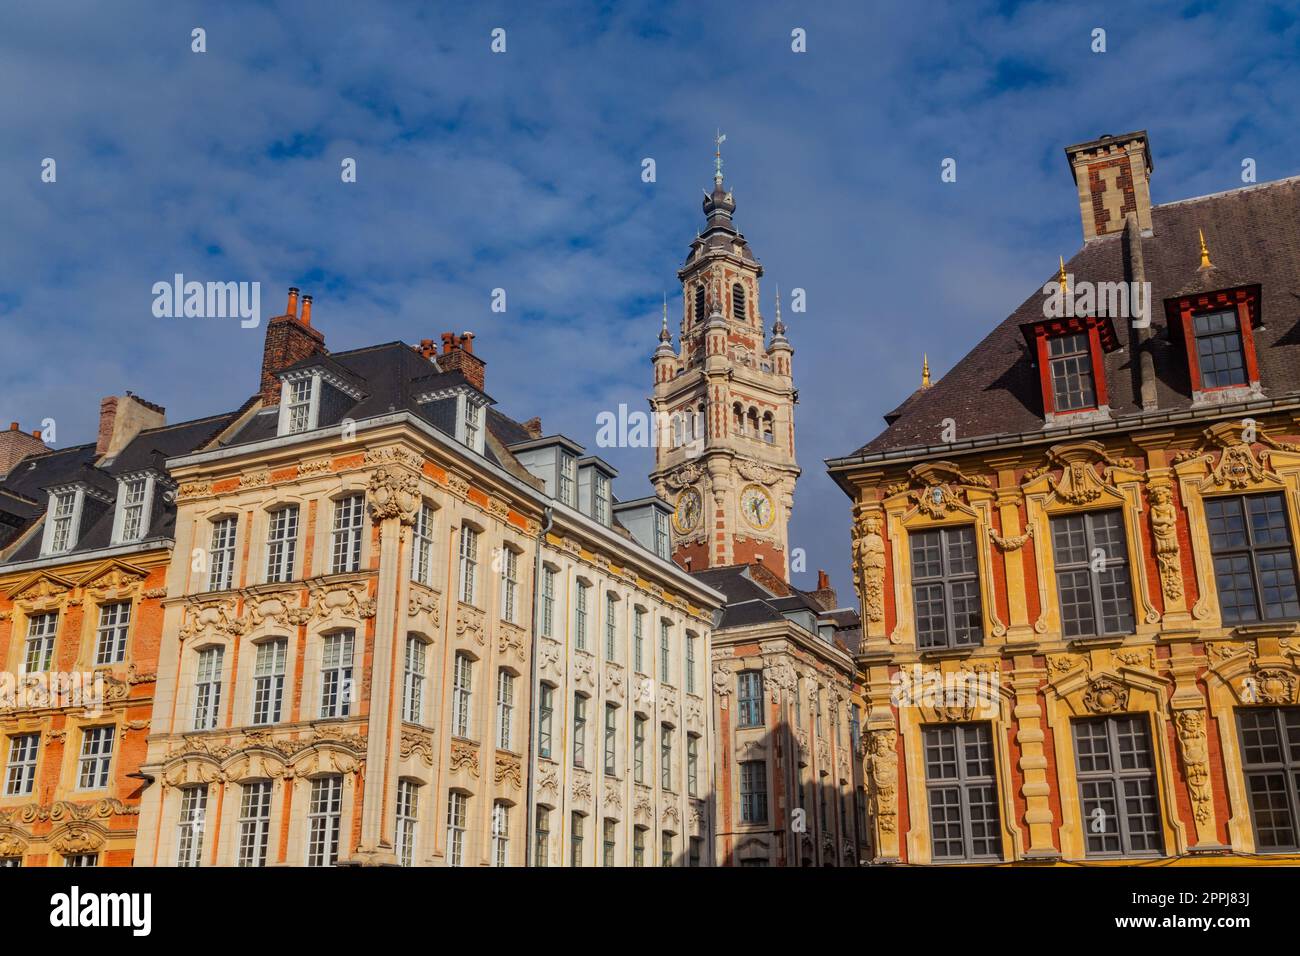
(724, 399)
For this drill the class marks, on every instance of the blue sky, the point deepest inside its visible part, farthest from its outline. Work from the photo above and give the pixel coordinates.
(522, 171)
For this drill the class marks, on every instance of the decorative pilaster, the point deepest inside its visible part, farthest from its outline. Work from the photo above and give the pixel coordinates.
(1026, 680)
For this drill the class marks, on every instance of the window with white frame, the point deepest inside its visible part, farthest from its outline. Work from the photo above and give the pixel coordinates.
(268, 681)
(638, 846)
(221, 554)
(63, 513)
(665, 652)
(609, 842)
(666, 757)
(345, 541)
(581, 600)
(638, 748)
(110, 634)
(457, 813)
(281, 544)
(662, 540)
(20, 774)
(500, 834)
(568, 484)
(600, 499)
(545, 715)
(10, 862)
(638, 640)
(468, 563)
(611, 739)
(577, 827)
(691, 640)
(505, 709)
(336, 674)
(38, 652)
(133, 502)
(207, 688)
(693, 764)
(611, 626)
(81, 859)
(324, 821)
(254, 823)
(461, 695)
(408, 797)
(96, 756)
(509, 584)
(417, 652)
(473, 424)
(298, 408)
(189, 826)
(422, 546)
(548, 601)
(579, 730)
(542, 837)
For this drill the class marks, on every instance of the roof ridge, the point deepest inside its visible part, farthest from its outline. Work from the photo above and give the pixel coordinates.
(1254, 187)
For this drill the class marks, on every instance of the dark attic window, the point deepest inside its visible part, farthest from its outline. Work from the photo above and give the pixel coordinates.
(1219, 355)
(1070, 361)
(1070, 356)
(1218, 335)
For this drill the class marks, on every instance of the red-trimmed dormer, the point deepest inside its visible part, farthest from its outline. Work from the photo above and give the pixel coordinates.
(1218, 334)
(1070, 355)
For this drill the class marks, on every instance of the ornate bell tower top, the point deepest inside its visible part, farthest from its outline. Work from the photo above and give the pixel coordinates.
(725, 399)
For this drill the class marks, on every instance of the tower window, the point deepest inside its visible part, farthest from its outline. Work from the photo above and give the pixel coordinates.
(699, 304)
(738, 302)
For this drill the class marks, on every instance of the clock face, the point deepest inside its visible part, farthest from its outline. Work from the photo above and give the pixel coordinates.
(687, 515)
(757, 507)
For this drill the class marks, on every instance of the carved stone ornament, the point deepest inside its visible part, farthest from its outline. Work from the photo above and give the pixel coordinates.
(581, 789)
(1164, 527)
(869, 564)
(509, 769)
(423, 601)
(1014, 543)
(778, 676)
(882, 770)
(218, 616)
(470, 623)
(350, 600)
(614, 681)
(416, 742)
(1079, 483)
(464, 755)
(1269, 685)
(1105, 695)
(1237, 468)
(510, 640)
(688, 474)
(722, 680)
(393, 493)
(613, 795)
(1192, 743)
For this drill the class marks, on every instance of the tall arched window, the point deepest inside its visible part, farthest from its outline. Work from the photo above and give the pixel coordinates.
(699, 304)
(678, 431)
(738, 302)
(738, 418)
(753, 421)
(769, 428)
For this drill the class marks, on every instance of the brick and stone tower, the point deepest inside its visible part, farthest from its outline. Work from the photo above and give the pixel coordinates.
(724, 401)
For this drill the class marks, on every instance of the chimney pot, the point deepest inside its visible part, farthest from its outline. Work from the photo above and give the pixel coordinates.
(293, 301)
(306, 310)
(823, 580)
(13, 426)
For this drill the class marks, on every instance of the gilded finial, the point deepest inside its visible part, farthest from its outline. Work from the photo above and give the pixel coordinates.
(1205, 252)
(1062, 280)
(925, 370)
(719, 138)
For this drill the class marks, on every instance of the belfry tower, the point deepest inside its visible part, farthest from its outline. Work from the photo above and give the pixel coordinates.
(725, 401)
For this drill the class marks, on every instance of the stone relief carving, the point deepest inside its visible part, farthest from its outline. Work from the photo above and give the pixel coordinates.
(509, 769)
(1164, 526)
(869, 565)
(425, 602)
(393, 493)
(415, 742)
(464, 755)
(470, 623)
(1105, 695)
(1190, 725)
(882, 768)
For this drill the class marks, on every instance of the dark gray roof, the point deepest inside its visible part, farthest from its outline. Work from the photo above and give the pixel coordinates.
(749, 602)
(1253, 235)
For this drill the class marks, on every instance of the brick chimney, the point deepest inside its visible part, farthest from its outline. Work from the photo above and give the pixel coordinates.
(290, 338)
(1113, 177)
(458, 356)
(121, 418)
(825, 594)
(534, 426)
(16, 444)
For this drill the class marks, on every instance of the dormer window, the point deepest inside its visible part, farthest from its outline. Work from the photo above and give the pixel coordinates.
(1218, 334)
(63, 514)
(567, 484)
(661, 535)
(600, 499)
(473, 414)
(300, 396)
(457, 411)
(134, 502)
(1071, 367)
(1219, 354)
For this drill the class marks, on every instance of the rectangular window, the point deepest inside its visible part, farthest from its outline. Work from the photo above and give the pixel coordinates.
(638, 641)
(753, 791)
(221, 556)
(609, 844)
(345, 540)
(1117, 786)
(568, 466)
(749, 698)
(638, 846)
(693, 764)
(1092, 577)
(946, 588)
(580, 615)
(665, 849)
(696, 848)
(422, 546)
(665, 635)
(1254, 566)
(690, 662)
(324, 818)
(600, 499)
(82, 859)
(254, 823)
(461, 693)
(336, 674)
(1270, 758)
(38, 652)
(545, 714)
(611, 626)
(96, 755)
(661, 536)
(611, 739)
(500, 834)
(1070, 360)
(408, 803)
(468, 564)
(505, 709)
(961, 785)
(472, 417)
(110, 635)
(64, 508)
(542, 841)
(665, 757)
(134, 492)
(20, 776)
(579, 730)
(299, 405)
(281, 544)
(207, 688)
(457, 812)
(189, 827)
(417, 653)
(1219, 353)
(268, 681)
(638, 748)
(509, 584)
(575, 839)
(548, 601)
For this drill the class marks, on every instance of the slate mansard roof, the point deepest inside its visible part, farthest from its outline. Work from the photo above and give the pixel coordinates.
(1253, 237)
(749, 601)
